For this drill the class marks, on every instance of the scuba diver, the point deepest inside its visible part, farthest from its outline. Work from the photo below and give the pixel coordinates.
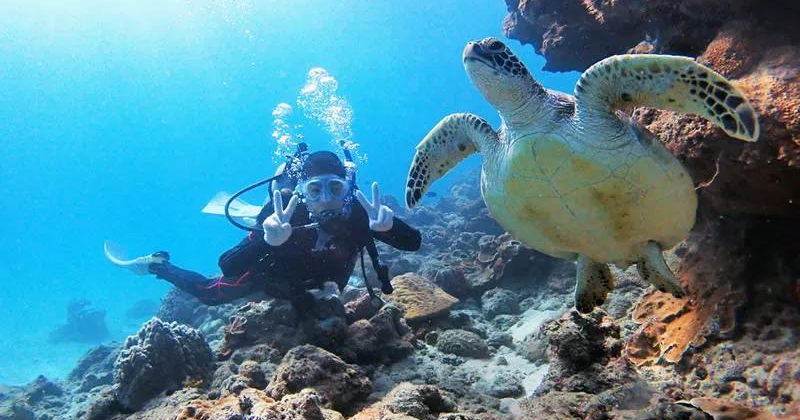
(315, 238)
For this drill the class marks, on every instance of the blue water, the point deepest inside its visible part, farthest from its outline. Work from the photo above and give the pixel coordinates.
(119, 120)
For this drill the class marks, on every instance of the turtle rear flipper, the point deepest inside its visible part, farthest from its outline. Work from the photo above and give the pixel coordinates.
(654, 270)
(664, 82)
(594, 282)
(454, 138)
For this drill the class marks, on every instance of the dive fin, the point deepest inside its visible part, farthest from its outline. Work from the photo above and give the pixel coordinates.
(238, 208)
(139, 265)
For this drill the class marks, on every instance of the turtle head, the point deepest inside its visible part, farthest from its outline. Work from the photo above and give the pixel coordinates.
(500, 76)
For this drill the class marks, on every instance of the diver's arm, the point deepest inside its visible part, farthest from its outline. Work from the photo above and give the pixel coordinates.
(401, 236)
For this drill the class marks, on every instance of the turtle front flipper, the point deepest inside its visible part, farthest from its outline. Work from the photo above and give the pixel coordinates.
(664, 82)
(594, 282)
(654, 270)
(454, 138)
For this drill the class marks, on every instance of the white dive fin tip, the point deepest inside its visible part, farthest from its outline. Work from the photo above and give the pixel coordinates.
(115, 254)
(238, 208)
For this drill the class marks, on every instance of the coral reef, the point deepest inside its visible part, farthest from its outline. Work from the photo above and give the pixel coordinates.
(740, 266)
(160, 357)
(491, 336)
(272, 322)
(419, 298)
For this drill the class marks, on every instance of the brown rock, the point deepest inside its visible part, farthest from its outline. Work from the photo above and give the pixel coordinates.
(384, 338)
(573, 35)
(272, 322)
(360, 308)
(338, 384)
(720, 409)
(408, 401)
(254, 404)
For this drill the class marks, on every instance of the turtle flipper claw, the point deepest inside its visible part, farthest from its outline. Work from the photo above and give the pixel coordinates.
(654, 270)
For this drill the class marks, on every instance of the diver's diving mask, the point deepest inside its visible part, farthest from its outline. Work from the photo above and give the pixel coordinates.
(325, 188)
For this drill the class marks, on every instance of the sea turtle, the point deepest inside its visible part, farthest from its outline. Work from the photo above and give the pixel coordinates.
(574, 177)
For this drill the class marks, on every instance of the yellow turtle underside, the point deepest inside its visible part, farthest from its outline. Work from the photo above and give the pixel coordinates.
(562, 198)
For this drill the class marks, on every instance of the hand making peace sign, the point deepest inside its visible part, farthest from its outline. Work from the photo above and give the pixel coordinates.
(381, 217)
(277, 229)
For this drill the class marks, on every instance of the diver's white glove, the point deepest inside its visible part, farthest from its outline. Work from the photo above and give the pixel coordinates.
(277, 229)
(381, 217)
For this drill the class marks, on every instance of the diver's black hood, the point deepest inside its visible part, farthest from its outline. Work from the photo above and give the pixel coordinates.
(323, 162)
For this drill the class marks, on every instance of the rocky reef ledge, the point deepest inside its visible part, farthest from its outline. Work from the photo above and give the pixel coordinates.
(741, 264)
(479, 327)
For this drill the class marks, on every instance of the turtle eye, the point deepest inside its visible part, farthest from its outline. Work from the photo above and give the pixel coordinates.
(496, 46)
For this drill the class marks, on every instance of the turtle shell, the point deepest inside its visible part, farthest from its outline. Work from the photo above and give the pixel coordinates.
(563, 197)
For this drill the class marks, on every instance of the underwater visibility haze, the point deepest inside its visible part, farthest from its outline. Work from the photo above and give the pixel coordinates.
(121, 120)
(582, 209)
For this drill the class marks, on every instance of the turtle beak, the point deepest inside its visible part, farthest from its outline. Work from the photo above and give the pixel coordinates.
(474, 51)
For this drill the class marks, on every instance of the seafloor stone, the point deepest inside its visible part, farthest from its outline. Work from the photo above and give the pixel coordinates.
(254, 404)
(273, 322)
(339, 384)
(452, 281)
(501, 383)
(587, 377)
(577, 341)
(499, 301)
(360, 308)
(160, 357)
(384, 338)
(95, 368)
(408, 401)
(462, 343)
(181, 307)
(419, 297)
(505, 260)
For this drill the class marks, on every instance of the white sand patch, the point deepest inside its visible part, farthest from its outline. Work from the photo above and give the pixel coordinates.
(532, 381)
(529, 322)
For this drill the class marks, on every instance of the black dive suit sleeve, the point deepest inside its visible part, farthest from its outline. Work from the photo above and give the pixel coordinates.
(238, 260)
(401, 236)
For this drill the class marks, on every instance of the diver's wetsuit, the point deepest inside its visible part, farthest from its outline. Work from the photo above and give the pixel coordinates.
(290, 269)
